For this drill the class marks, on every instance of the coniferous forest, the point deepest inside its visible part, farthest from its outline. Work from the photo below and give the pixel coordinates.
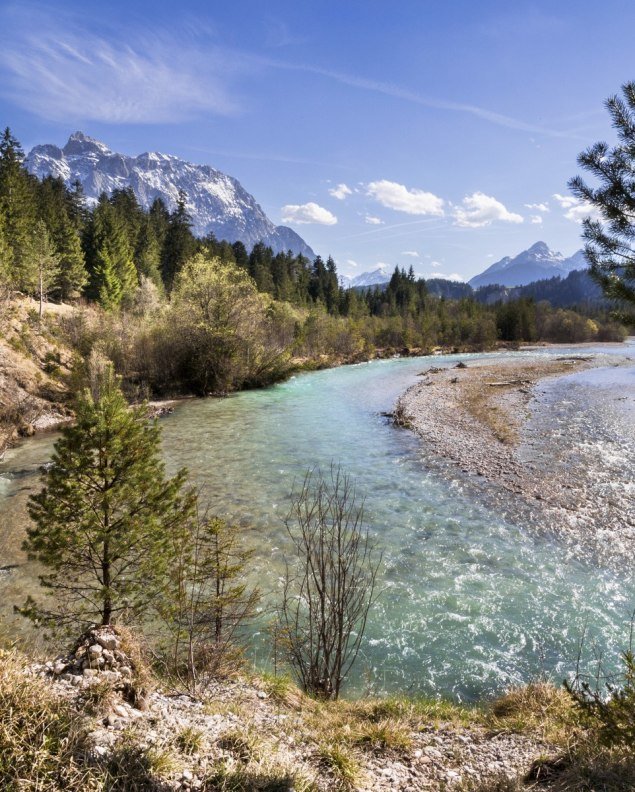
(177, 313)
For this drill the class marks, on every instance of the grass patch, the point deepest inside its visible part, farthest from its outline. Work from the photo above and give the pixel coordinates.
(42, 739)
(189, 740)
(267, 776)
(244, 745)
(540, 708)
(342, 763)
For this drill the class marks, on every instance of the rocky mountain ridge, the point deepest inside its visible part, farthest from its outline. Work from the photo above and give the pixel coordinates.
(216, 202)
(536, 263)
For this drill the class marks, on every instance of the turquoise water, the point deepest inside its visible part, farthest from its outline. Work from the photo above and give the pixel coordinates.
(471, 601)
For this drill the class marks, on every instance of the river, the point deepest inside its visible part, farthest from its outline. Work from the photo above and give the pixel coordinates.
(474, 599)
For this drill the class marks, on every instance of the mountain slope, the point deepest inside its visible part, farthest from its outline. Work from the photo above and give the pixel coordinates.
(537, 263)
(217, 203)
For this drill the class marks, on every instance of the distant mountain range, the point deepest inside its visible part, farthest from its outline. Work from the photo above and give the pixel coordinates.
(216, 202)
(537, 263)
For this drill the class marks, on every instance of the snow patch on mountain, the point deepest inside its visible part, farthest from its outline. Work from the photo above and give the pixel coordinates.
(216, 202)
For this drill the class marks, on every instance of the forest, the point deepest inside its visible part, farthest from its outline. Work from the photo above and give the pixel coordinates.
(177, 313)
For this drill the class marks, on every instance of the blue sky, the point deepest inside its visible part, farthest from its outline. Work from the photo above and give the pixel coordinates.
(437, 134)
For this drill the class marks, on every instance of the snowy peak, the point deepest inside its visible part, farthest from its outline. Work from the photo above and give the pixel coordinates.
(536, 263)
(80, 144)
(374, 278)
(216, 202)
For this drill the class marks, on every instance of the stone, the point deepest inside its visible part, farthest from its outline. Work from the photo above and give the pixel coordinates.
(95, 650)
(108, 641)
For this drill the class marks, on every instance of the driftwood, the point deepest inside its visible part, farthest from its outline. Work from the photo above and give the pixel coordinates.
(507, 383)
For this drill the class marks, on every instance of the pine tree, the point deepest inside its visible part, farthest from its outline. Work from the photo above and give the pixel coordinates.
(5, 262)
(113, 277)
(610, 241)
(56, 208)
(180, 244)
(107, 516)
(148, 253)
(72, 276)
(17, 205)
(45, 262)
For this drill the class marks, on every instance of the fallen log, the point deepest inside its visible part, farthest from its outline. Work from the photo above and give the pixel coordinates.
(507, 383)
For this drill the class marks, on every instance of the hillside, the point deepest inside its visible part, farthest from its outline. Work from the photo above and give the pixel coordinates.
(33, 371)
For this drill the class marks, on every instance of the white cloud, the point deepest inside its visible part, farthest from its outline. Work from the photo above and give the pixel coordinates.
(307, 213)
(371, 220)
(535, 219)
(577, 210)
(351, 263)
(538, 207)
(481, 210)
(60, 70)
(340, 192)
(453, 276)
(436, 264)
(412, 253)
(566, 201)
(401, 199)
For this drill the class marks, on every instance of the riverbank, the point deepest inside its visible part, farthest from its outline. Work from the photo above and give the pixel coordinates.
(255, 732)
(488, 422)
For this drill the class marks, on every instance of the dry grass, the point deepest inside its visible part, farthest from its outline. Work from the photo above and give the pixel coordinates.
(539, 708)
(42, 740)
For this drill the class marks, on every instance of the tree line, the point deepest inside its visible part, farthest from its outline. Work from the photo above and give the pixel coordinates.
(177, 313)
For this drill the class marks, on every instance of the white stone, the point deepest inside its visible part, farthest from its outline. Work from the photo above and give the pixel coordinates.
(108, 641)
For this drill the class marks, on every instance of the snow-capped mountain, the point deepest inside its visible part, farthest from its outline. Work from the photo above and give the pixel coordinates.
(537, 263)
(216, 202)
(375, 278)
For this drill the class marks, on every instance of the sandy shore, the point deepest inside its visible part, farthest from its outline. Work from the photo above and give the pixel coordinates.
(482, 424)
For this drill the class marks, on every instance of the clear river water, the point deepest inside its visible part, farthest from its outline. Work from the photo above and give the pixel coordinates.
(473, 599)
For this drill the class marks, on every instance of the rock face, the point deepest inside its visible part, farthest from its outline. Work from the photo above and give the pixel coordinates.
(217, 203)
(536, 263)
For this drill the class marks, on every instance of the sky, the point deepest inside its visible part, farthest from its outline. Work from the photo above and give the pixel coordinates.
(434, 134)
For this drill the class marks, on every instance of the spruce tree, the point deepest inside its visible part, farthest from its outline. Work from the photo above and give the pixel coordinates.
(17, 204)
(179, 245)
(71, 276)
(6, 284)
(107, 516)
(45, 262)
(610, 240)
(113, 277)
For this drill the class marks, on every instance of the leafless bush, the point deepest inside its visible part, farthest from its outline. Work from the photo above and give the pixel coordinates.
(330, 588)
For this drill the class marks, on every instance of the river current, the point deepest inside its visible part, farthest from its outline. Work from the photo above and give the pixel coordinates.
(473, 598)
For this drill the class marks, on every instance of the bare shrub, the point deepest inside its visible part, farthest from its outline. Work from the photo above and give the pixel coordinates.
(330, 588)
